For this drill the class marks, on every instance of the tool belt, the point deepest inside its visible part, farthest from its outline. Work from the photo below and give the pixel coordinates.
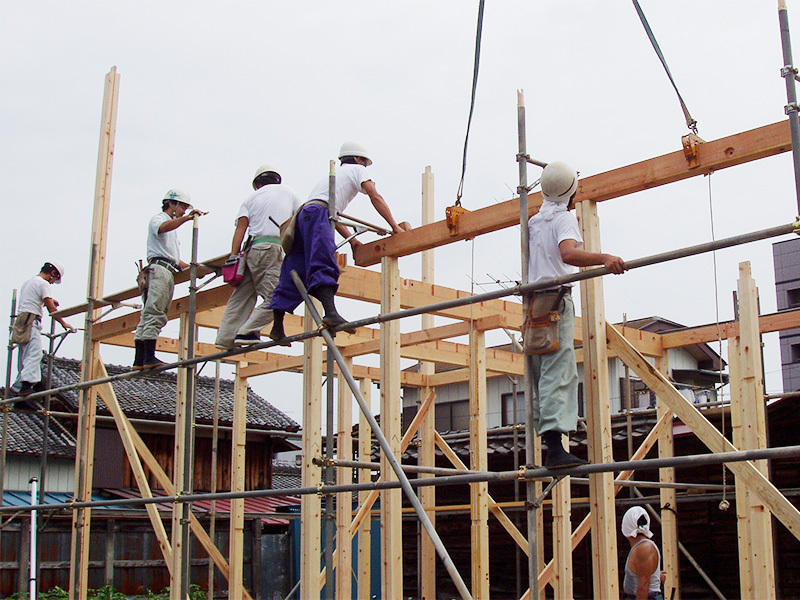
(540, 330)
(166, 263)
(23, 324)
(287, 228)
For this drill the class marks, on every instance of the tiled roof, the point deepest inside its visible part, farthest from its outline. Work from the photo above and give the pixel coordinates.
(25, 436)
(153, 395)
(285, 476)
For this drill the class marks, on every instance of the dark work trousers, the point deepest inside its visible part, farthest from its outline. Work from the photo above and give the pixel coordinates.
(312, 256)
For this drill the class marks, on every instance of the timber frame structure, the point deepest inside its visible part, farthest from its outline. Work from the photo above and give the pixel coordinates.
(758, 500)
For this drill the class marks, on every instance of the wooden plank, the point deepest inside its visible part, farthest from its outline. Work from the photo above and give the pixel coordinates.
(752, 433)
(311, 506)
(757, 483)
(238, 450)
(344, 503)
(364, 476)
(562, 534)
(109, 397)
(669, 517)
(781, 321)
(180, 510)
(605, 579)
(713, 155)
(479, 492)
(427, 445)
(391, 500)
(84, 451)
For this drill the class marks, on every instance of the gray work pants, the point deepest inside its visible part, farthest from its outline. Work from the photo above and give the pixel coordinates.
(261, 274)
(29, 359)
(160, 287)
(555, 379)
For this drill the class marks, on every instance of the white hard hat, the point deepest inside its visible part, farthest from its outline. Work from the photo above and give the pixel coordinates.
(59, 267)
(354, 149)
(559, 182)
(267, 168)
(177, 195)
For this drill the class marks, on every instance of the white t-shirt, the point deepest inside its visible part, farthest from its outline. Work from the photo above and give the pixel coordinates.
(165, 244)
(545, 236)
(275, 200)
(32, 295)
(348, 183)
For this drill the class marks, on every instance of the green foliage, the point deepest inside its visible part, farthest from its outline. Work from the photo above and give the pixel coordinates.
(195, 593)
(106, 593)
(56, 593)
(109, 593)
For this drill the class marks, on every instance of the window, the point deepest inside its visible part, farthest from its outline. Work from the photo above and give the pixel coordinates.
(452, 416)
(793, 298)
(794, 353)
(508, 408)
(640, 395)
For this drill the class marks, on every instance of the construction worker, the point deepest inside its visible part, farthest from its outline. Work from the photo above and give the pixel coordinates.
(313, 251)
(643, 574)
(555, 250)
(27, 331)
(163, 262)
(272, 203)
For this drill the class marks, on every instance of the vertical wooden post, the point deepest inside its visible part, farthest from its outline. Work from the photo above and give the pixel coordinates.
(562, 539)
(111, 530)
(391, 500)
(256, 559)
(751, 434)
(598, 417)
(238, 449)
(179, 509)
(365, 528)
(84, 451)
(479, 492)
(344, 502)
(310, 509)
(427, 448)
(669, 505)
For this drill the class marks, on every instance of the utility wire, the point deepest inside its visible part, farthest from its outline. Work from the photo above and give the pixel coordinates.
(690, 122)
(472, 100)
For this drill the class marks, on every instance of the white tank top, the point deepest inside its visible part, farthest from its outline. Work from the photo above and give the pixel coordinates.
(631, 581)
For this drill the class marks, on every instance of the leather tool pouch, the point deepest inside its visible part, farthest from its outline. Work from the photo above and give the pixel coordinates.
(21, 332)
(143, 278)
(540, 331)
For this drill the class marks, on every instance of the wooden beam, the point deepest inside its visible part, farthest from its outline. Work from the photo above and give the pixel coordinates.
(364, 476)
(180, 510)
(598, 417)
(311, 504)
(84, 450)
(238, 450)
(714, 155)
(344, 502)
(780, 321)
(391, 500)
(479, 492)
(757, 483)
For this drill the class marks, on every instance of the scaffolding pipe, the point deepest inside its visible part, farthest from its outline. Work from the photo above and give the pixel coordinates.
(384, 444)
(5, 409)
(539, 473)
(444, 305)
(530, 489)
(214, 455)
(188, 429)
(789, 72)
(32, 563)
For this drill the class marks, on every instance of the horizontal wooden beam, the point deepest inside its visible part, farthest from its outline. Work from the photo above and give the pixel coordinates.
(668, 168)
(780, 321)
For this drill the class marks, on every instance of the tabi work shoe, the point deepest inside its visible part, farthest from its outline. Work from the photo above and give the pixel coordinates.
(331, 318)
(247, 339)
(138, 356)
(277, 334)
(150, 361)
(557, 457)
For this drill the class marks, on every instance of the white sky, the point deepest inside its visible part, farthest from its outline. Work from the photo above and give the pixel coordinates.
(211, 90)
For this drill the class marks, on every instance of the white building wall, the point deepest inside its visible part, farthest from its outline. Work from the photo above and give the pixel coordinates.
(60, 476)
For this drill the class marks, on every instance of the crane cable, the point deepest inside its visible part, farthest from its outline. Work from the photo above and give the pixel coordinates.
(690, 122)
(472, 100)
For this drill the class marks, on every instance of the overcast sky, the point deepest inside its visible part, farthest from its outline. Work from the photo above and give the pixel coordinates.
(211, 90)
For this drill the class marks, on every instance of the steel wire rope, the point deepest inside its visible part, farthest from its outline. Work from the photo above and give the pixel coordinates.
(475, 68)
(690, 122)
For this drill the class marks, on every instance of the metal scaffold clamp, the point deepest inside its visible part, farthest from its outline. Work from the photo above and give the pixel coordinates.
(796, 226)
(790, 108)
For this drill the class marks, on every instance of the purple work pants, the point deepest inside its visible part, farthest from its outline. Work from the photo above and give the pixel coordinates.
(312, 256)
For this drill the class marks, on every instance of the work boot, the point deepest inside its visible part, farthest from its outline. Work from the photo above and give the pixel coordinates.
(557, 457)
(149, 359)
(138, 356)
(331, 318)
(277, 333)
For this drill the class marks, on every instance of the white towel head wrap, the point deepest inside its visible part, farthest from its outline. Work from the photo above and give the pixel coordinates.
(636, 522)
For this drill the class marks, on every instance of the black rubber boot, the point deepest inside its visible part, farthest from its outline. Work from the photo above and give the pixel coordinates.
(277, 332)
(149, 359)
(138, 356)
(557, 457)
(331, 318)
